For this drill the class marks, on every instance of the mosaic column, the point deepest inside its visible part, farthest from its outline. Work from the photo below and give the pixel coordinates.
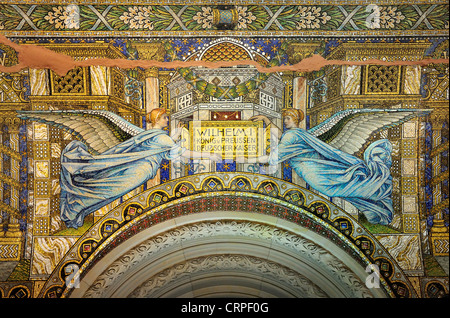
(439, 232)
(151, 51)
(300, 88)
(39, 82)
(13, 227)
(38, 167)
(40, 170)
(300, 94)
(163, 102)
(152, 88)
(10, 234)
(5, 176)
(300, 101)
(151, 95)
(407, 167)
(1, 171)
(99, 80)
(436, 168)
(151, 101)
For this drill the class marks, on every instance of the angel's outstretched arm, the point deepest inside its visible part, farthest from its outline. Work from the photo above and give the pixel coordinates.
(178, 131)
(263, 159)
(275, 131)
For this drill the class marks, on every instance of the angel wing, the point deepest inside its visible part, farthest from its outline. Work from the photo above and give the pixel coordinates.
(100, 130)
(349, 130)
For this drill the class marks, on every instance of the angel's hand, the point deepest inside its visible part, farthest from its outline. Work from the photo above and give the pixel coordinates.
(263, 159)
(178, 131)
(263, 118)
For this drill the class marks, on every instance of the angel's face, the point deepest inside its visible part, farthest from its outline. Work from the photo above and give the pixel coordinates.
(289, 122)
(163, 121)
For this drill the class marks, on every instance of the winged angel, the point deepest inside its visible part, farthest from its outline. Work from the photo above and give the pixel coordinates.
(112, 156)
(325, 156)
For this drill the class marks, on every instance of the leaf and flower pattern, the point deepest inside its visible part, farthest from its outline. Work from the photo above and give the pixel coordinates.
(332, 17)
(138, 18)
(311, 17)
(64, 17)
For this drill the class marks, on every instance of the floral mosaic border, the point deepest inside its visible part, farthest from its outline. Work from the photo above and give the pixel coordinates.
(185, 18)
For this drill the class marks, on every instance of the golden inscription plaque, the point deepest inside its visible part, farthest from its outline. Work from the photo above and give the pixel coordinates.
(230, 139)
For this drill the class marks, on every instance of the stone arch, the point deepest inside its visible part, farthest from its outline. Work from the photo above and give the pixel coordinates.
(259, 244)
(221, 254)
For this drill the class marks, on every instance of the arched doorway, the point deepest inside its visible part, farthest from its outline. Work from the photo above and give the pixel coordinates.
(219, 255)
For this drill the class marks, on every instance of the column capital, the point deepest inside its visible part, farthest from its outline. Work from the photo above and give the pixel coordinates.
(13, 230)
(300, 74)
(439, 226)
(151, 72)
(13, 123)
(14, 128)
(438, 116)
(150, 51)
(298, 51)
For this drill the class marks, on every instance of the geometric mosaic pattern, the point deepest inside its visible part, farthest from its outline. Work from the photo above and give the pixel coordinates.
(9, 251)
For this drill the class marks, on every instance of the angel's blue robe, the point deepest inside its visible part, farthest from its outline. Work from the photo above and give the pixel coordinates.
(367, 184)
(89, 182)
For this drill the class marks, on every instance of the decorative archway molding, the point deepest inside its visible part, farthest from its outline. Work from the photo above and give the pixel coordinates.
(266, 236)
(226, 253)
